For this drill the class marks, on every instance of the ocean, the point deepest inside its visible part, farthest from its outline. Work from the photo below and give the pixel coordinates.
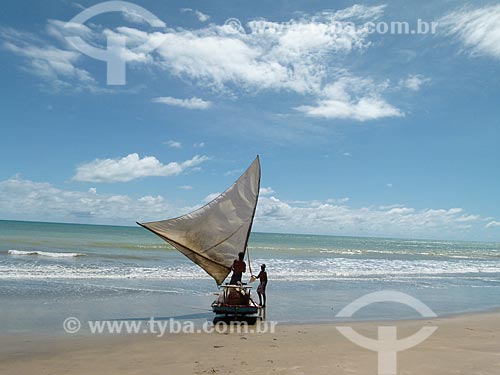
(51, 271)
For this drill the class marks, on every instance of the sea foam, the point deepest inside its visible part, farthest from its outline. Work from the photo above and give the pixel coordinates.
(45, 254)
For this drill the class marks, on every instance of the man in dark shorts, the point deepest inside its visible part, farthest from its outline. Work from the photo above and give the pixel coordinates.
(261, 289)
(239, 266)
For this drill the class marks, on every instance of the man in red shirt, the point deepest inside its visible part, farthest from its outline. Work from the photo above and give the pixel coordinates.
(239, 266)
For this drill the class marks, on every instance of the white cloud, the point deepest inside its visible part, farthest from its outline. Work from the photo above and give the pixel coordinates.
(233, 172)
(56, 61)
(186, 187)
(352, 98)
(56, 66)
(266, 191)
(216, 60)
(202, 17)
(132, 16)
(290, 56)
(60, 29)
(199, 144)
(361, 12)
(336, 200)
(299, 56)
(173, 144)
(362, 110)
(493, 224)
(211, 197)
(414, 82)
(78, 6)
(193, 103)
(337, 218)
(477, 29)
(131, 167)
(28, 200)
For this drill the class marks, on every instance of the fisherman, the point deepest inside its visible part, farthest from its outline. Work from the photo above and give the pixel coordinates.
(239, 266)
(261, 289)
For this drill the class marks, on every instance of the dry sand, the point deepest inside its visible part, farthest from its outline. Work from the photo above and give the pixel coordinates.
(468, 345)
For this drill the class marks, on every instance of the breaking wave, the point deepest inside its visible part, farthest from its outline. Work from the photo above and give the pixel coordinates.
(45, 254)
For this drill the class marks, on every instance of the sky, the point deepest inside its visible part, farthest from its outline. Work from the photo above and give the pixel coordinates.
(361, 131)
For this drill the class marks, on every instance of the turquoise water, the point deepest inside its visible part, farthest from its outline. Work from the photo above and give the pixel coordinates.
(51, 271)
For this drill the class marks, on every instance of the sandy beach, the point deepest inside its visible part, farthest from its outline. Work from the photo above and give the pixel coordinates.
(165, 164)
(467, 344)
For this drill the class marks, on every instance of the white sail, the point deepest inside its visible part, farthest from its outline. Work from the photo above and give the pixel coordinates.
(213, 235)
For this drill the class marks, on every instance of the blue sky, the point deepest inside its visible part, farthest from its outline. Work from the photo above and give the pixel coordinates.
(359, 133)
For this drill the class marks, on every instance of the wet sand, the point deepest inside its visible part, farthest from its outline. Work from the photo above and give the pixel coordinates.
(467, 344)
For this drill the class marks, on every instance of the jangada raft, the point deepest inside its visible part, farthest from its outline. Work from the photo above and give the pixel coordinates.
(213, 235)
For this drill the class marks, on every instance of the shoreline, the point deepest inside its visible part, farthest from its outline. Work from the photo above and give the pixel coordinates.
(463, 344)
